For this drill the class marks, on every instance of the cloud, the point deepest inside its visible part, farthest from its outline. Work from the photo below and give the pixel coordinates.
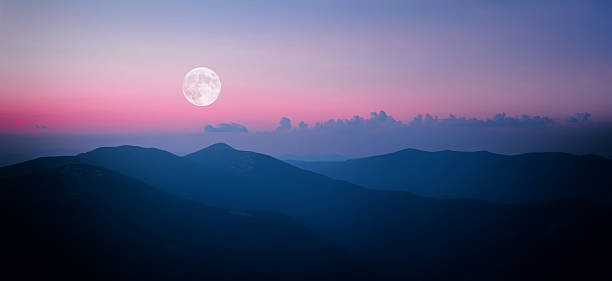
(284, 125)
(377, 121)
(579, 117)
(381, 121)
(500, 120)
(41, 127)
(226, 128)
(382, 133)
(357, 136)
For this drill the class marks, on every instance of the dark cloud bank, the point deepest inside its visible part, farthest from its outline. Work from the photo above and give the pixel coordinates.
(354, 137)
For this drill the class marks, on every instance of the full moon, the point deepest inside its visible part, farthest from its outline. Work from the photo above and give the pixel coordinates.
(201, 86)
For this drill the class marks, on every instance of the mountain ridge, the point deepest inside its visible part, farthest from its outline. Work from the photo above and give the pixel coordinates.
(398, 234)
(528, 177)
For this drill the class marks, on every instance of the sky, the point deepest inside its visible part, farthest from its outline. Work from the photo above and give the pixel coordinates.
(113, 70)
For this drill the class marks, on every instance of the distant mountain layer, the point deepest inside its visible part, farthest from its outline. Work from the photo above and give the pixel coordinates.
(482, 175)
(396, 234)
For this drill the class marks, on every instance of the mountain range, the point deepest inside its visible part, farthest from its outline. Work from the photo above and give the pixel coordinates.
(267, 219)
(482, 175)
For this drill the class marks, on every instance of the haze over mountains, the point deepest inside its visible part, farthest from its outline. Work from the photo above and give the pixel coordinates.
(483, 175)
(312, 157)
(328, 228)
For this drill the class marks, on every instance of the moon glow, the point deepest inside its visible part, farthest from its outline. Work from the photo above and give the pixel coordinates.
(201, 86)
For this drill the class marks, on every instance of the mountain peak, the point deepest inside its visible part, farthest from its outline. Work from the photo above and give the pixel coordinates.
(219, 147)
(215, 149)
(125, 149)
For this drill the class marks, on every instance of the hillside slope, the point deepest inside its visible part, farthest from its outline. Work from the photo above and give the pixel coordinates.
(82, 221)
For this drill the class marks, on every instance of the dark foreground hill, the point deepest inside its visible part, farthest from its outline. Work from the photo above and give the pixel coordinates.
(80, 221)
(399, 235)
(482, 175)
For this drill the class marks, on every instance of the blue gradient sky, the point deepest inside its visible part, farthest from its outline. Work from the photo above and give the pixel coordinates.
(105, 68)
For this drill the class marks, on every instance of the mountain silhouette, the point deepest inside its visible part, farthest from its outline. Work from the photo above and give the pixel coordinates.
(397, 234)
(482, 175)
(81, 221)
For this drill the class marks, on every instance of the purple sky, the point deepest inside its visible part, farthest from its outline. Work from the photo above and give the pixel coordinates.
(113, 71)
